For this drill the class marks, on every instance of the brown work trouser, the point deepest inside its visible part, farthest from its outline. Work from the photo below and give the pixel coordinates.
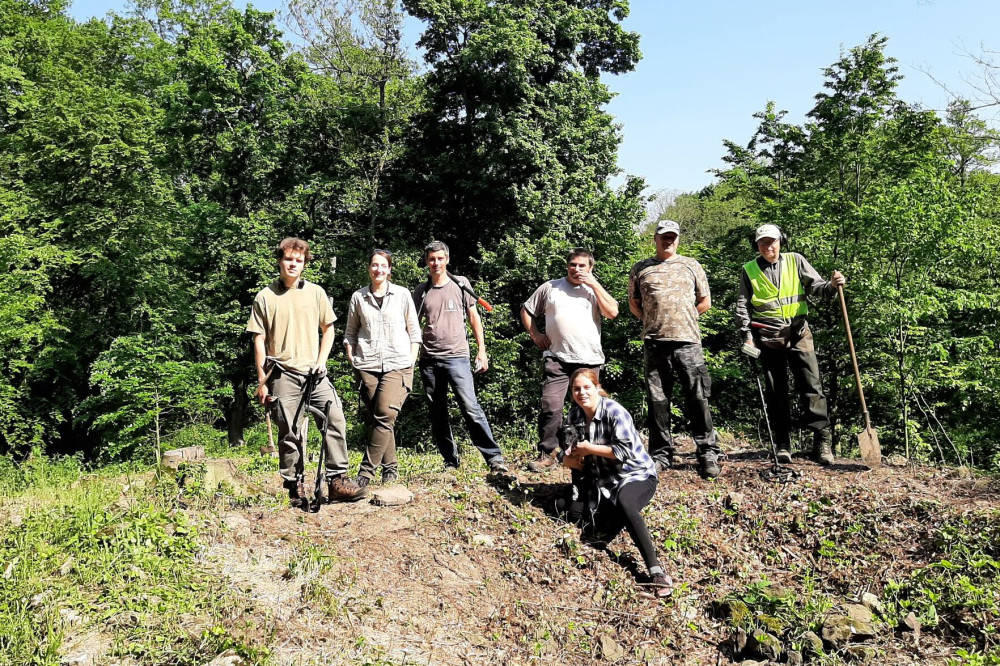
(288, 389)
(383, 394)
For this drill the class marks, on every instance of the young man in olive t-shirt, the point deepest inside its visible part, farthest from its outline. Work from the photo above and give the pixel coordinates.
(286, 320)
(443, 307)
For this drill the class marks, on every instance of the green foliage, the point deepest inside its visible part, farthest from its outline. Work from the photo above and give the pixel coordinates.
(898, 201)
(959, 590)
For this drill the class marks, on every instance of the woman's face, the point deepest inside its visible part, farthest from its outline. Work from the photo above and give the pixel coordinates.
(378, 269)
(585, 393)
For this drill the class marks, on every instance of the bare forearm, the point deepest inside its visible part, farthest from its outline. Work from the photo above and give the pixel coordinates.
(325, 345)
(703, 305)
(590, 449)
(259, 357)
(635, 307)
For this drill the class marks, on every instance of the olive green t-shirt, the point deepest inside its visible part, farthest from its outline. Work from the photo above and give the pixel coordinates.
(290, 321)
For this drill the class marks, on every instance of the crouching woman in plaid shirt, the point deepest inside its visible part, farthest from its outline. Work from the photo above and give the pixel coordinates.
(614, 477)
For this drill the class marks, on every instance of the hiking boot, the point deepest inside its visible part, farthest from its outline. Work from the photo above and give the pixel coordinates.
(823, 448)
(364, 481)
(296, 492)
(543, 462)
(662, 585)
(708, 466)
(343, 489)
(389, 476)
(784, 455)
(499, 466)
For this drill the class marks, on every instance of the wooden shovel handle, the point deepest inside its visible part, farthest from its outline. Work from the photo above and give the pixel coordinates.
(854, 357)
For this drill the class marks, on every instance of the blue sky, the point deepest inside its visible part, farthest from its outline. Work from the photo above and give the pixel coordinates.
(708, 66)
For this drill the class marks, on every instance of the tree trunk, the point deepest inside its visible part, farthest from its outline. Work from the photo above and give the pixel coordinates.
(236, 414)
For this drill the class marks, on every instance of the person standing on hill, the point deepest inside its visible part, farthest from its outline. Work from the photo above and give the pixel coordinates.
(571, 308)
(444, 304)
(772, 308)
(285, 321)
(669, 292)
(382, 340)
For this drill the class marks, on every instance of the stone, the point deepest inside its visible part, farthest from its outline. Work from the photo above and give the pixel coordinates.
(227, 658)
(837, 631)
(69, 617)
(812, 644)
(734, 500)
(484, 540)
(609, 649)
(872, 603)
(793, 658)
(896, 460)
(394, 495)
(862, 653)
(740, 641)
(858, 612)
(764, 645)
(911, 623)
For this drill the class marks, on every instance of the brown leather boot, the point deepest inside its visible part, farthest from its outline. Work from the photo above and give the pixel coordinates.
(543, 463)
(344, 489)
(823, 448)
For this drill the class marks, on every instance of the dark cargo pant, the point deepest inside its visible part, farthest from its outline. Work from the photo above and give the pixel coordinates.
(799, 356)
(555, 388)
(685, 360)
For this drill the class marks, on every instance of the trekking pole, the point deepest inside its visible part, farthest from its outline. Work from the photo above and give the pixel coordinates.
(775, 472)
(324, 417)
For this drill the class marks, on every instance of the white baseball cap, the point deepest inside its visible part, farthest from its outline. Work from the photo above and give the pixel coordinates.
(767, 231)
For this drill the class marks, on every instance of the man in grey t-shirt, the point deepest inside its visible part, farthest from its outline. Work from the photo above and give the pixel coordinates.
(571, 308)
(443, 306)
(668, 292)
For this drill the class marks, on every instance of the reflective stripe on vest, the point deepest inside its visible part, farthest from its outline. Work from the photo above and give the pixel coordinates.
(773, 303)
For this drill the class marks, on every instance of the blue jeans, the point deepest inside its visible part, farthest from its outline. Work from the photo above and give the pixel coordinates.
(438, 374)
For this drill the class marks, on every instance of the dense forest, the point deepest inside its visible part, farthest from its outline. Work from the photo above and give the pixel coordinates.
(149, 162)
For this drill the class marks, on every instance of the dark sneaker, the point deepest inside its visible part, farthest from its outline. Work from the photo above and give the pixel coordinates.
(708, 467)
(364, 481)
(344, 489)
(543, 463)
(662, 585)
(499, 466)
(390, 476)
(784, 456)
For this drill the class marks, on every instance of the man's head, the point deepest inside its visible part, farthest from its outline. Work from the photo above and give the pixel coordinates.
(436, 256)
(292, 255)
(667, 233)
(768, 240)
(579, 263)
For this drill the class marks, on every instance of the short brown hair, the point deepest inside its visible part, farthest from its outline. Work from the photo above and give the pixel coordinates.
(295, 245)
(580, 252)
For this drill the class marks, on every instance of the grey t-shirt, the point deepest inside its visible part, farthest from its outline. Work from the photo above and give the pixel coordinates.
(572, 321)
(442, 311)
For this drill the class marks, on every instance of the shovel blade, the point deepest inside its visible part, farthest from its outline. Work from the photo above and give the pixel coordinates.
(871, 452)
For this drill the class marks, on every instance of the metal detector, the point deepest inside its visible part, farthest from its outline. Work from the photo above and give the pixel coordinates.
(776, 472)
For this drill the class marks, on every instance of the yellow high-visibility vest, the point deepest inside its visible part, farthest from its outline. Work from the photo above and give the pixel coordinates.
(774, 305)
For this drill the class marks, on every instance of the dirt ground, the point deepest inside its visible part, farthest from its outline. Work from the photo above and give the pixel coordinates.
(477, 571)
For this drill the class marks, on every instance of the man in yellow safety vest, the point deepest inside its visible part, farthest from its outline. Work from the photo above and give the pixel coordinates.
(772, 308)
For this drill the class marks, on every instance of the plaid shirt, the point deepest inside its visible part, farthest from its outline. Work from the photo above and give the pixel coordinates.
(612, 426)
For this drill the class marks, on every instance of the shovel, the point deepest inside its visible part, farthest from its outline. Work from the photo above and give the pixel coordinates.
(871, 452)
